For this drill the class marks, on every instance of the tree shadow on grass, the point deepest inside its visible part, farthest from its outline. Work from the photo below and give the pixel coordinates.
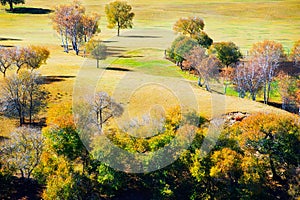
(36, 11)
(118, 69)
(141, 36)
(9, 39)
(52, 79)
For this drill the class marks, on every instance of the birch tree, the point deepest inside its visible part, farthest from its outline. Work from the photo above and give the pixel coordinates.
(267, 55)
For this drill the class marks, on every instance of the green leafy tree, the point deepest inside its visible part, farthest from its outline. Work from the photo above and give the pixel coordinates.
(97, 50)
(180, 48)
(204, 40)
(11, 2)
(191, 26)
(119, 15)
(228, 53)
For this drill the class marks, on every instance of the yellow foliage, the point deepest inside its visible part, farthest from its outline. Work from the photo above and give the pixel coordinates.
(61, 115)
(226, 160)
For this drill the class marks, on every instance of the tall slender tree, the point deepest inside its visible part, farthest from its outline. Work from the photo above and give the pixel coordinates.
(267, 55)
(72, 24)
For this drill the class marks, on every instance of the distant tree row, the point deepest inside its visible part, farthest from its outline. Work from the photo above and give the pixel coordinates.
(31, 57)
(248, 76)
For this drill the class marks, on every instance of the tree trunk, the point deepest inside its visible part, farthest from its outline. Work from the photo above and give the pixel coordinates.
(11, 7)
(207, 86)
(225, 88)
(265, 94)
(268, 91)
(253, 96)
(67, 44)
(199, 81)
(97, 63)
(30, 109)
(22, 173)
(118, 29)
(276, 177)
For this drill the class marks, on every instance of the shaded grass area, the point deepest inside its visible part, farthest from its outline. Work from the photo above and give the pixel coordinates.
(18, 188)
(27, 10)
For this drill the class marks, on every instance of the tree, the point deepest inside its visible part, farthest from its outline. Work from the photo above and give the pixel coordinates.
(180, 47)
(19, 57)
(6, 60)
(35, 56)
(72, 24)
(248, 78)
(11, 2)
(207, 67)
(295, 54)
(204, 40)
(23, 96)
(98, 50)
(119, 15)
(104, 108)
(191, 26)
(228, 53)
(273, 140)
(23, 150)
(267, 55)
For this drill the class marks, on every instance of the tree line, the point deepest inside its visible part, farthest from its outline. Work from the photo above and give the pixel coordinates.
(223, 61)
(255, 157)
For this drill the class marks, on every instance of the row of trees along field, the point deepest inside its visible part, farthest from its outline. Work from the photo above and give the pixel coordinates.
(194, 50)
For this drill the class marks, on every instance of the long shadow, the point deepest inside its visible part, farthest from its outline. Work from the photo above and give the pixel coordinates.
(118, 69)
(26, 10)
(124, 56)
(109, 41)
(141, 36)
(52, 79)
(7, 46)
(115, 51)
(9, 39)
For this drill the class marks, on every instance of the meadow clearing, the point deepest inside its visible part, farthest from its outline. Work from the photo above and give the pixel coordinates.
(140, 51)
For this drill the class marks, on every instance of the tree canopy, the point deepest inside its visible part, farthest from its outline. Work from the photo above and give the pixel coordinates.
(74, 25)
(97, 49)
(227, 52)
(119, 15)
(191, 26)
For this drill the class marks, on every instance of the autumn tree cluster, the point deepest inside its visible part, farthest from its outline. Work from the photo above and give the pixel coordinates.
(74, 25)
(249, 76)
(256, 157)
(31, 57)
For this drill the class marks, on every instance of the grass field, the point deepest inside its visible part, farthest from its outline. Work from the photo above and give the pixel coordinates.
(142, 48)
